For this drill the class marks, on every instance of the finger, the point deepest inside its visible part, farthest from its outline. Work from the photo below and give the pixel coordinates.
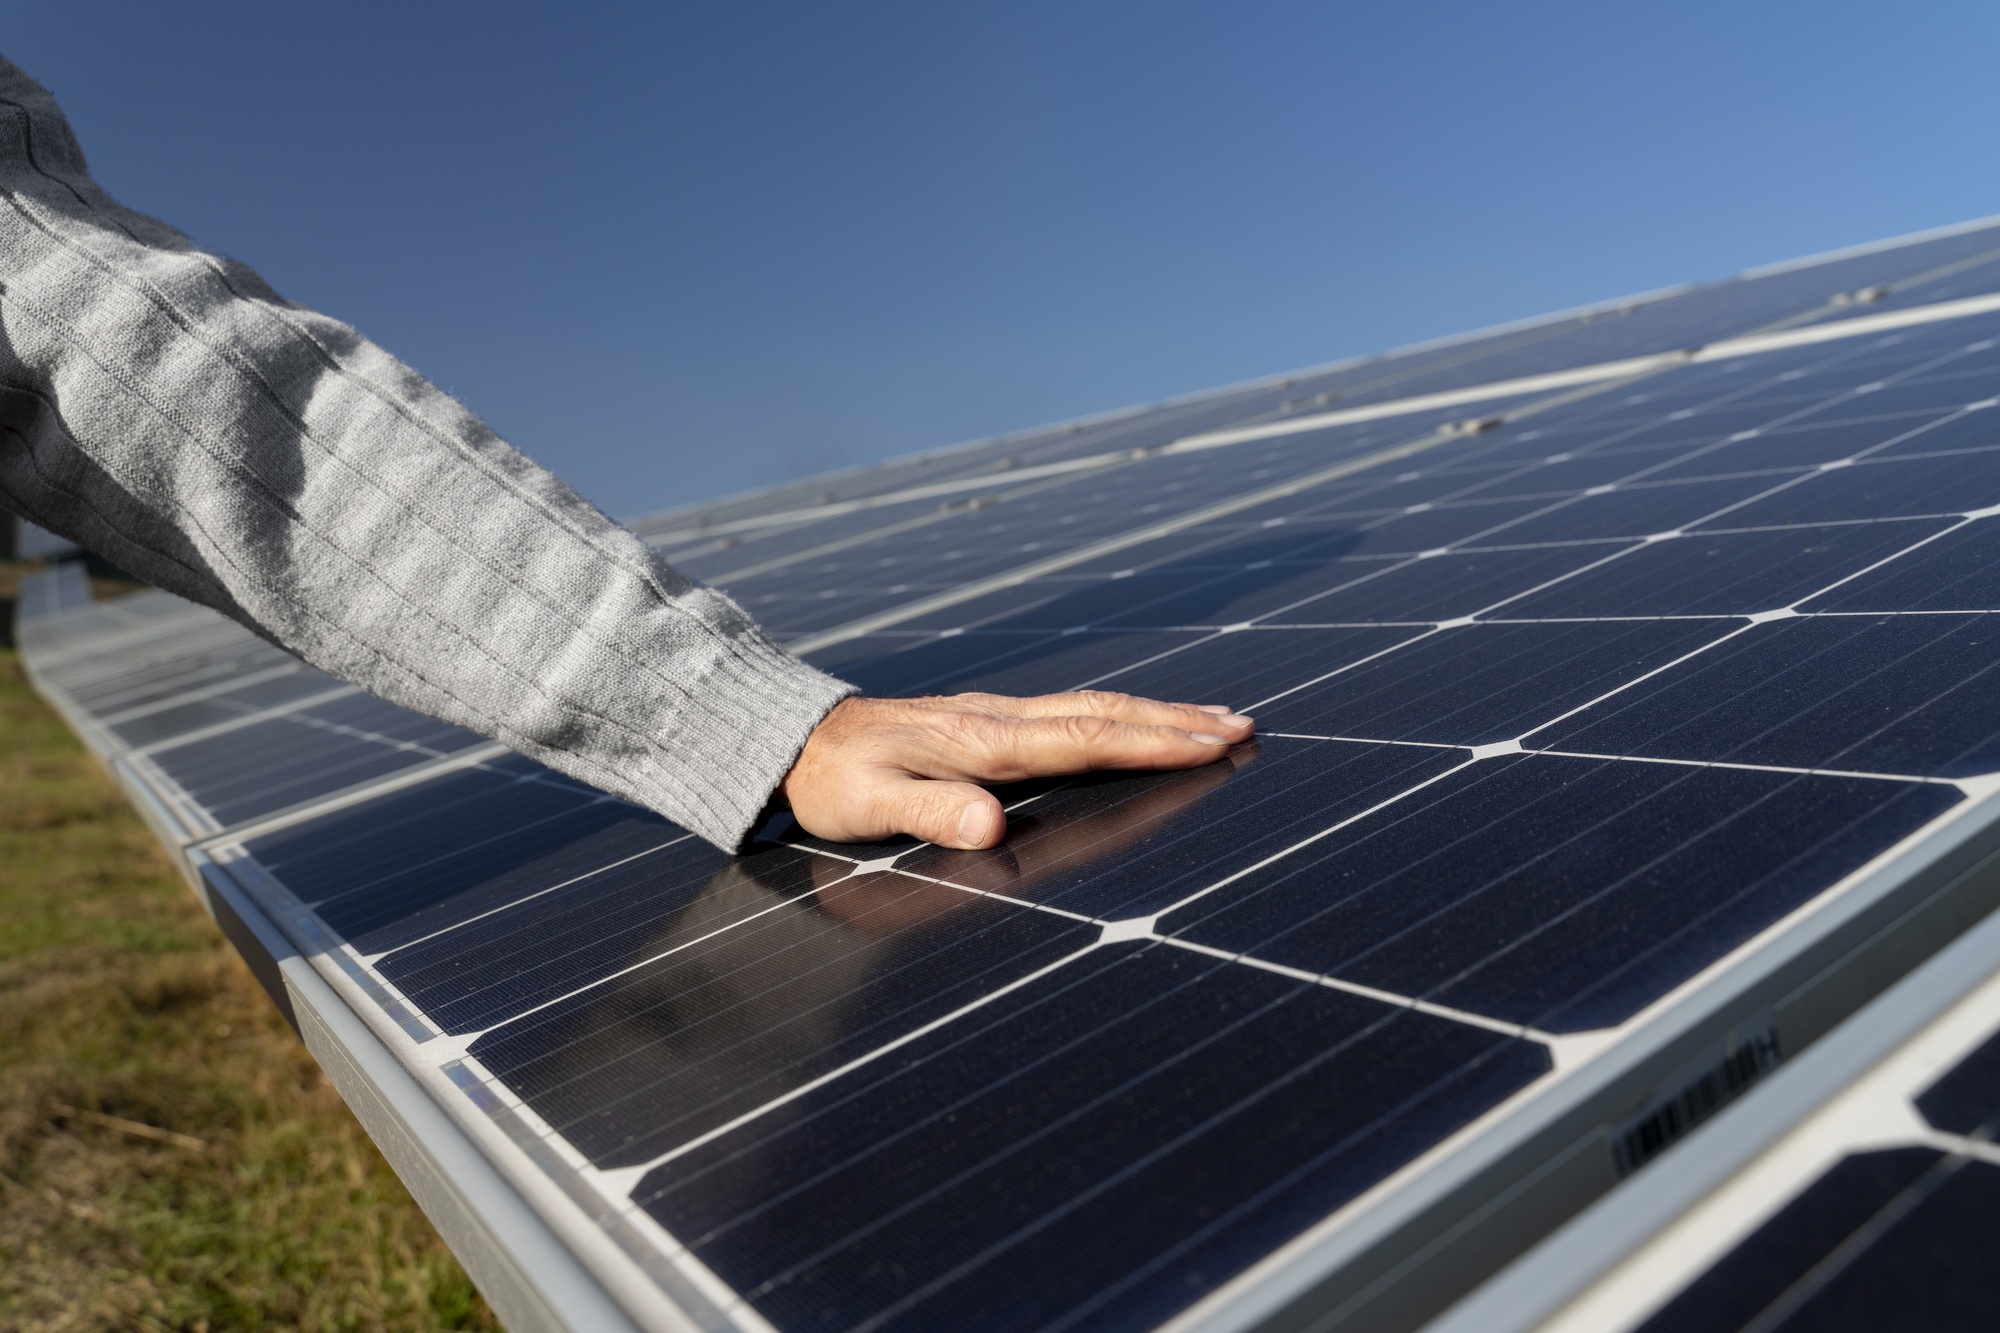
(1118, 708)
(950, 814)
(1006, 751)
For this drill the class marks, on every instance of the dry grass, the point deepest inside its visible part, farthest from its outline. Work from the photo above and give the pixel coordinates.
(119, 1001)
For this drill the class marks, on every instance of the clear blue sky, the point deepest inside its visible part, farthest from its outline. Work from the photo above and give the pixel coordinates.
(677, 250)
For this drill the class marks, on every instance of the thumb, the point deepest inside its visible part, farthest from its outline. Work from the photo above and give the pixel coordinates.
(949, 814)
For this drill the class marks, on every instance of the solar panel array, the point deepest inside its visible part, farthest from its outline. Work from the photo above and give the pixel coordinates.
(1607, 670)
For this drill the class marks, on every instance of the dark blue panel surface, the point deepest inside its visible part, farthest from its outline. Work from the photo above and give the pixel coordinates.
(788, 615)
(161, 724)
(1879, 488)
(181, 668)
(265, 766)
(1457, 583)
(1241, 668)
(1561, 893)
(1573, 474)
(698, 1023)
(1966, 1100)
(1487, 682)
(588, 926)
(1635, 511)
(1453, 523)
(1227, 587)
(430, 857)
(1879, 694)
(1924, 394)
(1003, 661)
(1805, 445)
(1726, 420)
(1929, 1266)
(1096, 1150)
(360, 843)
(1768, 1267)
(1960, 571)
(1976, 429)
(1728, 573)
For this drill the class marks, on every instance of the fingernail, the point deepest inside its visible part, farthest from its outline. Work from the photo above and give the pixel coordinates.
(1211, 708)
(1207, 739)
(1236, 720)
(974, 822)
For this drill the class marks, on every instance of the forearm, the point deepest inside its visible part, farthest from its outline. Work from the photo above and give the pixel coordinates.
(164, 407)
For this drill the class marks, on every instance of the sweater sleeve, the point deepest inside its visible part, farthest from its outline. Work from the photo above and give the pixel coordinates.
(162, 406)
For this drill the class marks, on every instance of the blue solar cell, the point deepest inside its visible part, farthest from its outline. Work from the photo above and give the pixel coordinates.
(1920, 395)
(409, 865)
(1429, 480)
(1960, 571)
(1639, 510)
(1242, 668)
(1098, 1149)
(1730, 573)
(175, 671)
(535, 840)
(1878, 488)
(1445, 524)
(697, 1025)
(1726, 420)
(1966, 1098)
(1977, 429)
(1456, 583)
(578, 925)
(1926, 1269)
(1561, 893)
(1001, 661)
(1789, 447)
(266, 766)
(1769, 1267)
(350, 848)
(1483, 683)
(1915, 694)
(1583, 471)
(1308, 542)
(161, 724)
(789, 616)
(1232, 585)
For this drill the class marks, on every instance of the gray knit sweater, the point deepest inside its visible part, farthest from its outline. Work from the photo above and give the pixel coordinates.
(164, 407)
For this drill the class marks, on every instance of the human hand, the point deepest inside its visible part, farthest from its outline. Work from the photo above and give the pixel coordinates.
(874, 768)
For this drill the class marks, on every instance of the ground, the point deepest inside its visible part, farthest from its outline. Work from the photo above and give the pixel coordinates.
(122, 1010)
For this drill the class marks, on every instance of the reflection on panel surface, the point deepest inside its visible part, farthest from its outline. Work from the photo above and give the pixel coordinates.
(267, 765)
(1096, 1149)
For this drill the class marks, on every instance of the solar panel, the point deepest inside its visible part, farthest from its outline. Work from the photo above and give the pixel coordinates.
(1624, 696)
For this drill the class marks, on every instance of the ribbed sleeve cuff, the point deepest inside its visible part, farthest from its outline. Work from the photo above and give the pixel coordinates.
(722, 759)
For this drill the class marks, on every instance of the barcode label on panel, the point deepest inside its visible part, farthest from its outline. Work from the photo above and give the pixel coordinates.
(1693, 1097)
